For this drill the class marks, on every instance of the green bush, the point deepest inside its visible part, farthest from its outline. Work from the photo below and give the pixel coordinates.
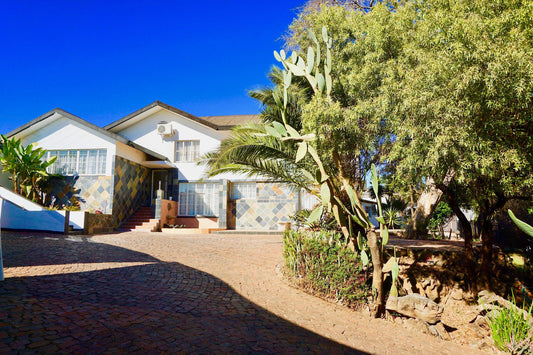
(323, 264)
(510, 331)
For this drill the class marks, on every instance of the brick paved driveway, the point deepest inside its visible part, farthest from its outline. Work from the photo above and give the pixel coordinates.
(154, 293)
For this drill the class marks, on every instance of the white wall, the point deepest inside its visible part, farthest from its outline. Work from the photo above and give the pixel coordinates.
(64, 133)
(144, 133)
(14, 217)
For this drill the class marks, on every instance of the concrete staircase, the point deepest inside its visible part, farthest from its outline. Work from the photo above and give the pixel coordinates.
(141, 221)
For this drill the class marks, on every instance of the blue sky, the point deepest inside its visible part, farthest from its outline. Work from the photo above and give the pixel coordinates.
(102, 60)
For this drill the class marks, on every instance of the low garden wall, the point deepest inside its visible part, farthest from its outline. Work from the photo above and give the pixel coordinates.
(98, 223)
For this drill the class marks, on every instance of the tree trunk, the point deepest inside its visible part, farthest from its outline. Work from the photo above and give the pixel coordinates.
(428, 200)
(377, 275)
(466, 233)
(486, 250)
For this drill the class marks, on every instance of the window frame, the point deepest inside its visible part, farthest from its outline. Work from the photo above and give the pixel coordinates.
(196, 154)
(72, 162)
(190, 209)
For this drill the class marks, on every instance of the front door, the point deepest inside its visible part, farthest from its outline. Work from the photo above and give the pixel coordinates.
(159, 181)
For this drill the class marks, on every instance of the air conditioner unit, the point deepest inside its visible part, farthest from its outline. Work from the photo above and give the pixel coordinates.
(164, 129)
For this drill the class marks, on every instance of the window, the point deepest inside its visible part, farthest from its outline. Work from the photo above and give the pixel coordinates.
(243, 190)
(82, 162)
(187, 151)
(198, 199)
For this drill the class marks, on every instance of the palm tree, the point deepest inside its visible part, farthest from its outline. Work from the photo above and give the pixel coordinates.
(252, 151)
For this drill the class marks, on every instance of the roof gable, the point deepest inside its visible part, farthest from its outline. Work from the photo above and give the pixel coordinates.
(219, 123)
(50, 116)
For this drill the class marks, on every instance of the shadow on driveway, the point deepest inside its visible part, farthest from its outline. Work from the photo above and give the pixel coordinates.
(151, 308)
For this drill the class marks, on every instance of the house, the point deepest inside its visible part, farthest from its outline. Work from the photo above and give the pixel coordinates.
(118, 168)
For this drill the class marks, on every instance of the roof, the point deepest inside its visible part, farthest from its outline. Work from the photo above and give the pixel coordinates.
(87, 124)
(219, 123)
(232, 120)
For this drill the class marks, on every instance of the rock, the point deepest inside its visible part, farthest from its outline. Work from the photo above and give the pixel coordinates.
(488, 300)
(417, 325)
(416, 306)
(457, 294)
(442, 332)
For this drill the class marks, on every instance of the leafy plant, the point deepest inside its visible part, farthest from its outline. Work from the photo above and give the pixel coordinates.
(511, 331)
(442, 215)
(323, 264)
(392, 216)
(325, 222)
(26, 166)
(337, 195)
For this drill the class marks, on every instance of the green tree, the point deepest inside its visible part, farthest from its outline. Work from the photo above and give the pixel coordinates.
(26, 167)
(441, 90)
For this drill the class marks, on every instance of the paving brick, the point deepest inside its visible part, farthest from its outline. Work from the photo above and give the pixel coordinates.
(158, 293)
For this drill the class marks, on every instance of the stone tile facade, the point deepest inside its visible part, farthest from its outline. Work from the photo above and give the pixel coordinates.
(93, 192)
(274, 203)
(131, 188)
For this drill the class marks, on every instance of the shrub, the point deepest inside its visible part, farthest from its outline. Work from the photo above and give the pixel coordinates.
(511, 331)
(324, 265)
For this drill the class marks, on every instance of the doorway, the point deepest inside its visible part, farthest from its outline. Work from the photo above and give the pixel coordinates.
(159, 179)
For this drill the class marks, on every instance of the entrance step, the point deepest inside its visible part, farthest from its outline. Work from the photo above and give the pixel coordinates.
(141, 221)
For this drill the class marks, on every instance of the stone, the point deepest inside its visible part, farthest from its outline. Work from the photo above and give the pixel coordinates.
(417, 325)
(457, 294)
(416, 306)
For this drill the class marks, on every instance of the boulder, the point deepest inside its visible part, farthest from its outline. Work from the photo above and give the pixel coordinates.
(416, 306)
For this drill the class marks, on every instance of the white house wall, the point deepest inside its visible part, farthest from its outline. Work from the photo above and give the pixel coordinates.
(64, 133)
(144, 133)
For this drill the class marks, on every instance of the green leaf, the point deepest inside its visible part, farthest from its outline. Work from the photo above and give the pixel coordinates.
(360, 241)
(388, 265)
(315, 215)
(302, 150)
(308, 175)
(280, 128)
(296, 70)
(272, 131)
(277, 56)
(325, 193)
(393, 290)
(395, 270)
(282, 54)
(364, 258)
(374, 180)
(292, 132)
(301, 64)
(320, 81)
(526, 228)
(310, 59)
(385, 236)
(351, 194)
(312, 36)
(287, 77)
(380, 220)
(328, 60)
(325, 34)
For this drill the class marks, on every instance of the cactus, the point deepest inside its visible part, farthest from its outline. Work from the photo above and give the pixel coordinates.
(526, 228)
(329, 192)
